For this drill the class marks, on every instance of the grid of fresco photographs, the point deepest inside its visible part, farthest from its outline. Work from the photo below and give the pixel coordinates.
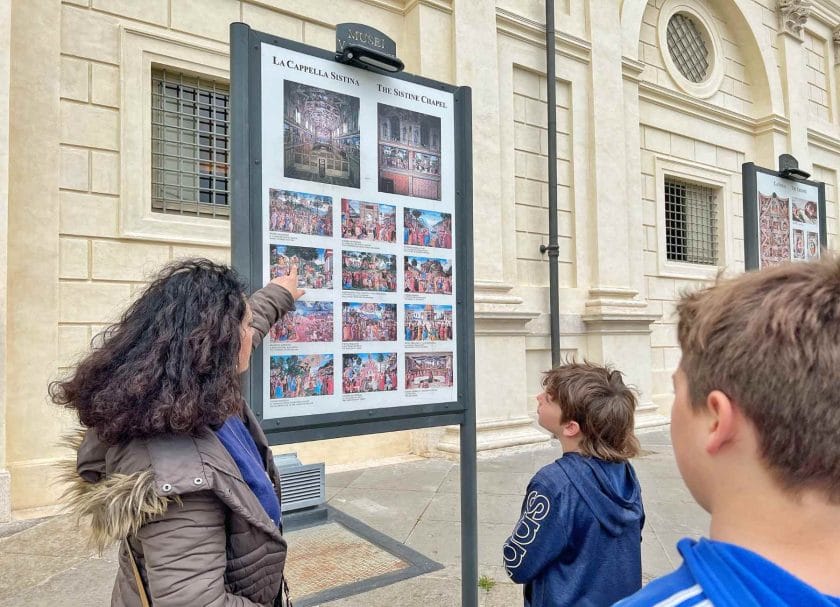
(352, 244)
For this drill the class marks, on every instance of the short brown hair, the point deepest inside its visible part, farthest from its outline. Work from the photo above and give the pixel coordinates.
(596, 398)
(770, 340)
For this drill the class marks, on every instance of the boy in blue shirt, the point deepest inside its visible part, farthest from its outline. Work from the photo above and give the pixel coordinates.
(577, 542)
(756, 432)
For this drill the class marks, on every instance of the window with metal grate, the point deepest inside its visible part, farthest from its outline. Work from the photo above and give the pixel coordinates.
(687, 48)
(190, 145)
(691, 222)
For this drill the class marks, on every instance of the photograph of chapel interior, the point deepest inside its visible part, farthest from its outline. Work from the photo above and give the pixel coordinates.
(409, 153)
(321, 135)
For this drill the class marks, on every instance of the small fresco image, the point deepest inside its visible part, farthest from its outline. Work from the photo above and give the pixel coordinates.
(368, 322)
(311, 321)
(296, 375)
(299, 213)
(425, 322)
(813, 251)
(376, 372)
(433, 370)
(362, 271)
(368, 221)
(427, 228)
(428, 275)
(315, 266)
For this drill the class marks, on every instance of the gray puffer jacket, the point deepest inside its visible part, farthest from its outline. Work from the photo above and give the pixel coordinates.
(197, 531)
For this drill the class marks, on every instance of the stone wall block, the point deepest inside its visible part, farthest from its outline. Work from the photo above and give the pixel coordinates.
(526, 83)
(151, 11)
(266, 20)
(705, 153)
(89, 34)
(87, 214)
(209, 18)
(527, 138)
(657, 141)
(105, 173)
(73, 343)
(318, 35)
(218, 254)
(75, 79)
(127, 260)
(727, 159)
(75, 168)
(105, 85)
(92, 302)
(89, 125)
(73, 258)
(682, 147)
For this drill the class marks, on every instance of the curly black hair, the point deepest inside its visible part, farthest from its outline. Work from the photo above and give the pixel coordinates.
(170, 364)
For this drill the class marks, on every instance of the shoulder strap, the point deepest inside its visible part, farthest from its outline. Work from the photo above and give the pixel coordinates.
(141, 590)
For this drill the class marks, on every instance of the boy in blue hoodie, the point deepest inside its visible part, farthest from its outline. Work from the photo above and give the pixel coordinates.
(577, 542)
(756, 432)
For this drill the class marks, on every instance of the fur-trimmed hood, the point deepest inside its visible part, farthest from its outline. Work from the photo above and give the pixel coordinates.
(115, 505)
(121, 488)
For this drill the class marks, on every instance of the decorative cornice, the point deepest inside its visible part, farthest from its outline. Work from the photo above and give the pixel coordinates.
(685, 104)
(824, 141)
(826, 11)
(793, 15)
(444, 6)
(772, 124)
(502, 322)
(618, 322)
(533, 32)
(495, 293)
(392, 6)
(632, 69)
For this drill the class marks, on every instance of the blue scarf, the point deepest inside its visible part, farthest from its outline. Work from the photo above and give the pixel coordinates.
(240, 444)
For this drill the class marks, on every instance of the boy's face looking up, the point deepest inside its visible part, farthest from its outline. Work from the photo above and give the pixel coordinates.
(548, 413)
(550, 417)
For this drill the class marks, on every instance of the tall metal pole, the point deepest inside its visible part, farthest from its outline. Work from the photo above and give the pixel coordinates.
(469, 465)
(553, 248)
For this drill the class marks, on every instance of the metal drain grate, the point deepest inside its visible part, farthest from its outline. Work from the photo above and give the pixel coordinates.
(343, 557)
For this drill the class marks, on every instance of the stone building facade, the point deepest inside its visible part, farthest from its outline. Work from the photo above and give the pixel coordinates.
(659, 102)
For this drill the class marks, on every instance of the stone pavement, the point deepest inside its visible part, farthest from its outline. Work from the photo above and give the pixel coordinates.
(45, 562)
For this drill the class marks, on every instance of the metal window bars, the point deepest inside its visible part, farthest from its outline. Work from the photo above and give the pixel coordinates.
(190, 145)
(687, 48)
(691, 222)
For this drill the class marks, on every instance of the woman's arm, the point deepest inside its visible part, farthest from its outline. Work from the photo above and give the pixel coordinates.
(184, 555)
(270, 303)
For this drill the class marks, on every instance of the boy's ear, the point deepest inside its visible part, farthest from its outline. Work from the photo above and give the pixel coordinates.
(722, 420)
(571, 429)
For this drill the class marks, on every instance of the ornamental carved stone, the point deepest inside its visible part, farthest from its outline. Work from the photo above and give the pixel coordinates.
(835, 38)
(793, 14)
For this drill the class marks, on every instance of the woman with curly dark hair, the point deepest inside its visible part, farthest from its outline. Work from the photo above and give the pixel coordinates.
(172, 461)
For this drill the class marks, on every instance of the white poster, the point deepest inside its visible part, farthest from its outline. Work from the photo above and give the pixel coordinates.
(359, 192)
(788, 220)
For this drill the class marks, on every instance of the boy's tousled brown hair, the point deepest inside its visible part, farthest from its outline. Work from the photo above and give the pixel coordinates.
(596, 398)
(770, 340)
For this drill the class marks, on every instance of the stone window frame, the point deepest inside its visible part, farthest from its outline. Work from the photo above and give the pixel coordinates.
(717, 179)
(141, 51)
(705, 23)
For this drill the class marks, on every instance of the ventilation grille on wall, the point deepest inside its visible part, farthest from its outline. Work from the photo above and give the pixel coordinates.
(301, 486)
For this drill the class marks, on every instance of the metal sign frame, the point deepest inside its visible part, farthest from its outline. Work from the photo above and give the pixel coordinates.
(749, 174)
(246, 255)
